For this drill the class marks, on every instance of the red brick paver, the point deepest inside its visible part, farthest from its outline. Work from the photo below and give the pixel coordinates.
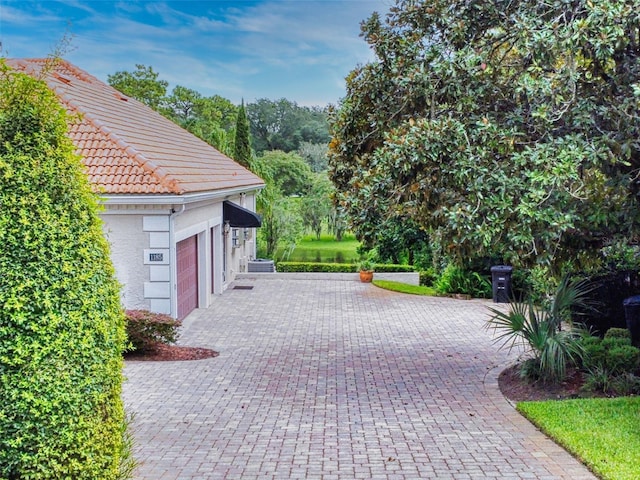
(330, 379)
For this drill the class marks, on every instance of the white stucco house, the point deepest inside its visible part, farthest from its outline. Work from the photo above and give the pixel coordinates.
(179, 215)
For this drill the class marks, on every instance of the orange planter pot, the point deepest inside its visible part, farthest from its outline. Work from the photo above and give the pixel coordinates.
(366, 276)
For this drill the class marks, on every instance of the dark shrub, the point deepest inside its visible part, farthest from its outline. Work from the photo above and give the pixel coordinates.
(618, 333)
(455, 279)
(593, 353)
(428, 277)
(613, 342)
(315, 267)
(146, 329)
(598, 379)
(588, 340)
(610, 363)
(622, 359)
(626, 384)
(608, 293)
(522, 284)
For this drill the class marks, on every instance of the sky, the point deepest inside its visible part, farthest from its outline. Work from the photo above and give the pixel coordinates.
(300, 50)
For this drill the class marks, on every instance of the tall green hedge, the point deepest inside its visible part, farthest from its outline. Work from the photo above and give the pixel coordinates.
(61, 322)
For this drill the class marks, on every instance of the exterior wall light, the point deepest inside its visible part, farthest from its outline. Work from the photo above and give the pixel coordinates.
(235, 238)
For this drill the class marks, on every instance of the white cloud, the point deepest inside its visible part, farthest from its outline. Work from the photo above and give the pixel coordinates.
(78, 4)
(15, 16)
(277, 29)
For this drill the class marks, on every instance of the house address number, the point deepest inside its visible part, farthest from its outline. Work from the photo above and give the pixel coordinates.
(156, 257)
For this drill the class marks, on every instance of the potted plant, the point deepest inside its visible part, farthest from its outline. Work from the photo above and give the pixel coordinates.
(365, 267)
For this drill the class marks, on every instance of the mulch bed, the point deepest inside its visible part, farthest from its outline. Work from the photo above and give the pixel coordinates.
(171, 353)
(517, 389)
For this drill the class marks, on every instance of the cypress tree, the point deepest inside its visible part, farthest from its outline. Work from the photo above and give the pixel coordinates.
(61, 323)
(242, 149)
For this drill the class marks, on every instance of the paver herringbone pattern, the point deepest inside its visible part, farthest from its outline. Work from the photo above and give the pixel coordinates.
(325, 379)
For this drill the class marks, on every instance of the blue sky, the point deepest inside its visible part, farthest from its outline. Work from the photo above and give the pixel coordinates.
(295, 49)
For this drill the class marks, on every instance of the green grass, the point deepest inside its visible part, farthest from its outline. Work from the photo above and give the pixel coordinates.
(404, 287)
(603, 433)
(325, 250)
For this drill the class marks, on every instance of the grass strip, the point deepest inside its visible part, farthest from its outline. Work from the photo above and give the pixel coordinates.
(404, 287)
(327, 249)
(604, 433)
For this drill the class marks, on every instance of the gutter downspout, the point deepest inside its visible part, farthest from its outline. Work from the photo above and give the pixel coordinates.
(173, 260)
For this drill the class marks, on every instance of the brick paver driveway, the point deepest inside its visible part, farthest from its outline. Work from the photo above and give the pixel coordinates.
(329, 379)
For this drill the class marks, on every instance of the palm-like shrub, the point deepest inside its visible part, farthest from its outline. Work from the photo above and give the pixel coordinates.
(538, 328)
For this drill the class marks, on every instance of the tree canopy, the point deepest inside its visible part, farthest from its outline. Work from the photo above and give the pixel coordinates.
(316, 206)
(142, 84)
(290, 173)
(506, 128)
(315, 154)
(284, 125)
(281, 221)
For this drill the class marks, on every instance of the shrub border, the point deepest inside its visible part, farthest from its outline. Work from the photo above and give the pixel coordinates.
(314, 267)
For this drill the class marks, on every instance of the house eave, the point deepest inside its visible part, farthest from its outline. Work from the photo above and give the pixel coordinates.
(172, 199)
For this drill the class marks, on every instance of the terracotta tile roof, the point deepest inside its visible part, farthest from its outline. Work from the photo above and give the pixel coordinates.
(130, 149)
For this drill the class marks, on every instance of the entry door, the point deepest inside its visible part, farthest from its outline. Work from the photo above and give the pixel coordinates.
(225, 236)
(187, 272)
(214, 239)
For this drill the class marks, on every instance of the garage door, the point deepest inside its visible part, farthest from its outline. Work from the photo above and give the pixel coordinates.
(187, 270)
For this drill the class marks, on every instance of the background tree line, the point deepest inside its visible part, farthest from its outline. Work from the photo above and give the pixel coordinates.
(275, 124)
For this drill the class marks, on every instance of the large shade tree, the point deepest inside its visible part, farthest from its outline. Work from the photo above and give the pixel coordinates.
(501, 127)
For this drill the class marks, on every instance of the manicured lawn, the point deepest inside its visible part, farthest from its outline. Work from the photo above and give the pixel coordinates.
(603, 433)
(404, 287)
(326, 250)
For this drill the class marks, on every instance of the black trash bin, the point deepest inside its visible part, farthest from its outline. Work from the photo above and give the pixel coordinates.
(501, 283)
(632, 316)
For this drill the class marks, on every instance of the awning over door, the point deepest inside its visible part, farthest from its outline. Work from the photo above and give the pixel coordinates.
(238, 216)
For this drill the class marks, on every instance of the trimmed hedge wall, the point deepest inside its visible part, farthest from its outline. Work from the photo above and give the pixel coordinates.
(289, 267)
(61, 323)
